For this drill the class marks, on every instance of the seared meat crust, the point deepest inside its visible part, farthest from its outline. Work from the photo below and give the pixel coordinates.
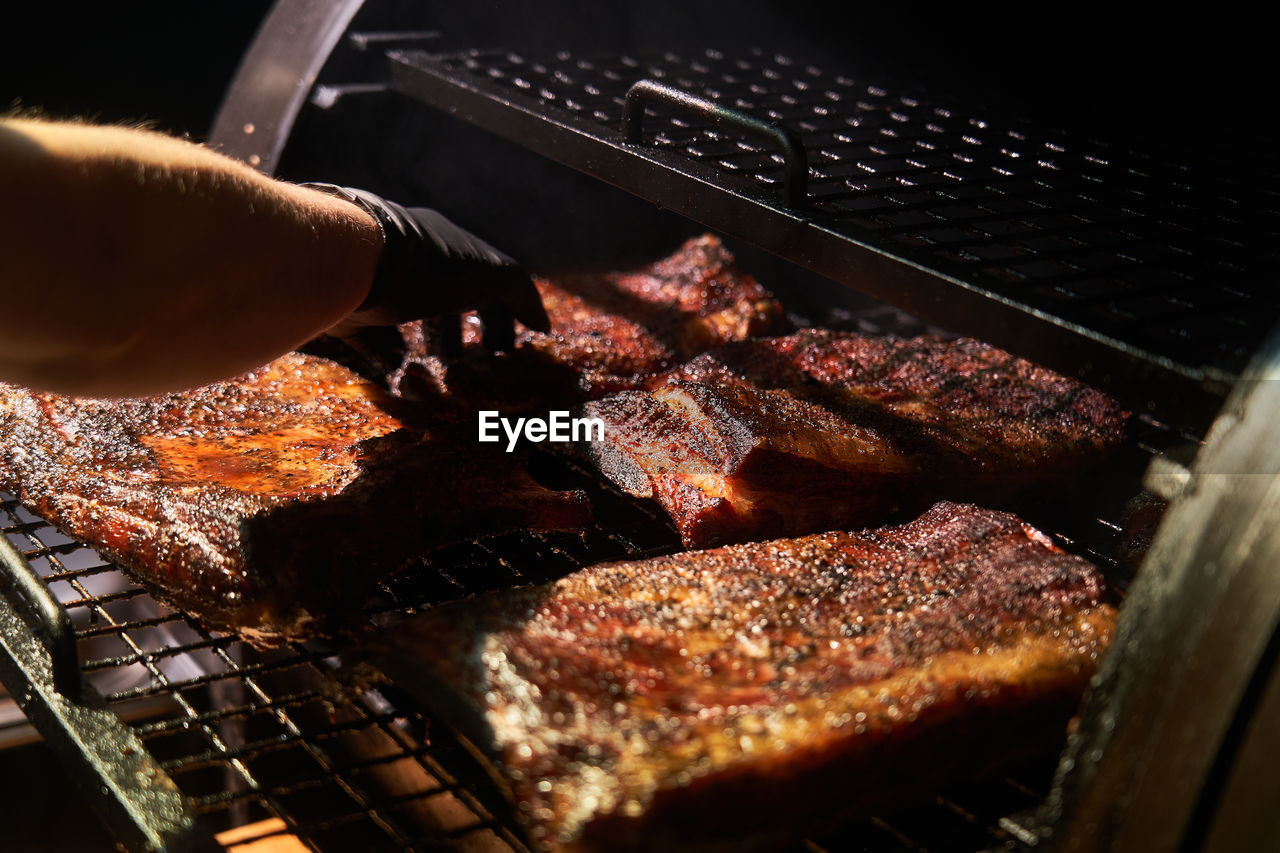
(609, 332)
(745, 693)
(820, 429)
(251, 502)
(1002, 414)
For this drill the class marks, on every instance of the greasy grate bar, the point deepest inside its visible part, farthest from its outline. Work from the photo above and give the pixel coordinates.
(1149, 279)
(143, 730)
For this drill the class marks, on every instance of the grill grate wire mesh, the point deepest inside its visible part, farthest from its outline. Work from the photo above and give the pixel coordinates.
(281, 736)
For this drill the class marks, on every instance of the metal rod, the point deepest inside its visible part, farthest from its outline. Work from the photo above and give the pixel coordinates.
(795, 162)
(64, 662)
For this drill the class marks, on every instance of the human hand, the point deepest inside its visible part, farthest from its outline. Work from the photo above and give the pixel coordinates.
(433, 270)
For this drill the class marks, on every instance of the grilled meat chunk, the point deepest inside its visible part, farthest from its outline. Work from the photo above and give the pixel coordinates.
(730, 463)
(608, 332)
(997, 411)
(269, 502)
(750, 692)
(819, 429)
(690, 301)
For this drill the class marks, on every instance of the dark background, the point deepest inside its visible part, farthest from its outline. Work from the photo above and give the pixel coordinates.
(167, 63)
(1188, 82)
(1194, 88)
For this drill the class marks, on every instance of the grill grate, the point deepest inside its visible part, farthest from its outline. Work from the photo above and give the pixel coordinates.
(1060, 249)
(277, 741)
(248, 735)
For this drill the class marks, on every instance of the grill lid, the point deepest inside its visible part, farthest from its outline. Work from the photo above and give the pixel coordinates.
(1136, 275)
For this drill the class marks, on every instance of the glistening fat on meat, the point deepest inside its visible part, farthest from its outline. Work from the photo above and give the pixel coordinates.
(249, 503)
(744, 695)
(818, 430)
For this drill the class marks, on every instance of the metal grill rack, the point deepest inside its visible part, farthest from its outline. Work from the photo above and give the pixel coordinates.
(278, 741)
(184, 733)
(244, 735)
(1144, 277)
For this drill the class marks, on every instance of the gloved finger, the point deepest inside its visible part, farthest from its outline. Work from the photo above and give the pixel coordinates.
(499, 328)
(445, 334)
(522, 299)
(381, 347)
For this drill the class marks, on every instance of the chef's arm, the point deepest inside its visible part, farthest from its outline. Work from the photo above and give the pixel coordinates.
(132, 262)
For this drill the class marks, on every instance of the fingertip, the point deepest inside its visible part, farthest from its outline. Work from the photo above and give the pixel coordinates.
(499, 331)
(445, 334)
(536, 319)
(528, 309)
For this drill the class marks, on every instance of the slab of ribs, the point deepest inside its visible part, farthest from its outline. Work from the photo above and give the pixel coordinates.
(752, 692)
(263, 503)
(821, 429)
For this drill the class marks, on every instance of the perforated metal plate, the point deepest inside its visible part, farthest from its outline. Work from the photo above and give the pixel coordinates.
(1147, 278)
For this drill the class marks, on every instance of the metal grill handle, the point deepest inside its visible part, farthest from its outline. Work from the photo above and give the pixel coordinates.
(64, 663)
(795, 163)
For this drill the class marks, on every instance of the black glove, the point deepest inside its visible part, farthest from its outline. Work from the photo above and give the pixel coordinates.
(431, 268)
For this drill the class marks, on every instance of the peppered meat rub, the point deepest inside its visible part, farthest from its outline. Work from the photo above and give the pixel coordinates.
(749, 693)
(609, 332)
(266, 503)
(820, 429)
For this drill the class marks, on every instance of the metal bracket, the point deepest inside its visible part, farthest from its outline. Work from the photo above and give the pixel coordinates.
(39, 666)
(64, 662)
(1169, 474)
(1174, 719)
(271, 85)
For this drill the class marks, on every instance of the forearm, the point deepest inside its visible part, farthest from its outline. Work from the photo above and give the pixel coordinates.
(132, 262)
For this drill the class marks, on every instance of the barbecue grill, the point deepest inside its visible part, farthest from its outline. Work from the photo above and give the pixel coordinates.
(878, 210)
